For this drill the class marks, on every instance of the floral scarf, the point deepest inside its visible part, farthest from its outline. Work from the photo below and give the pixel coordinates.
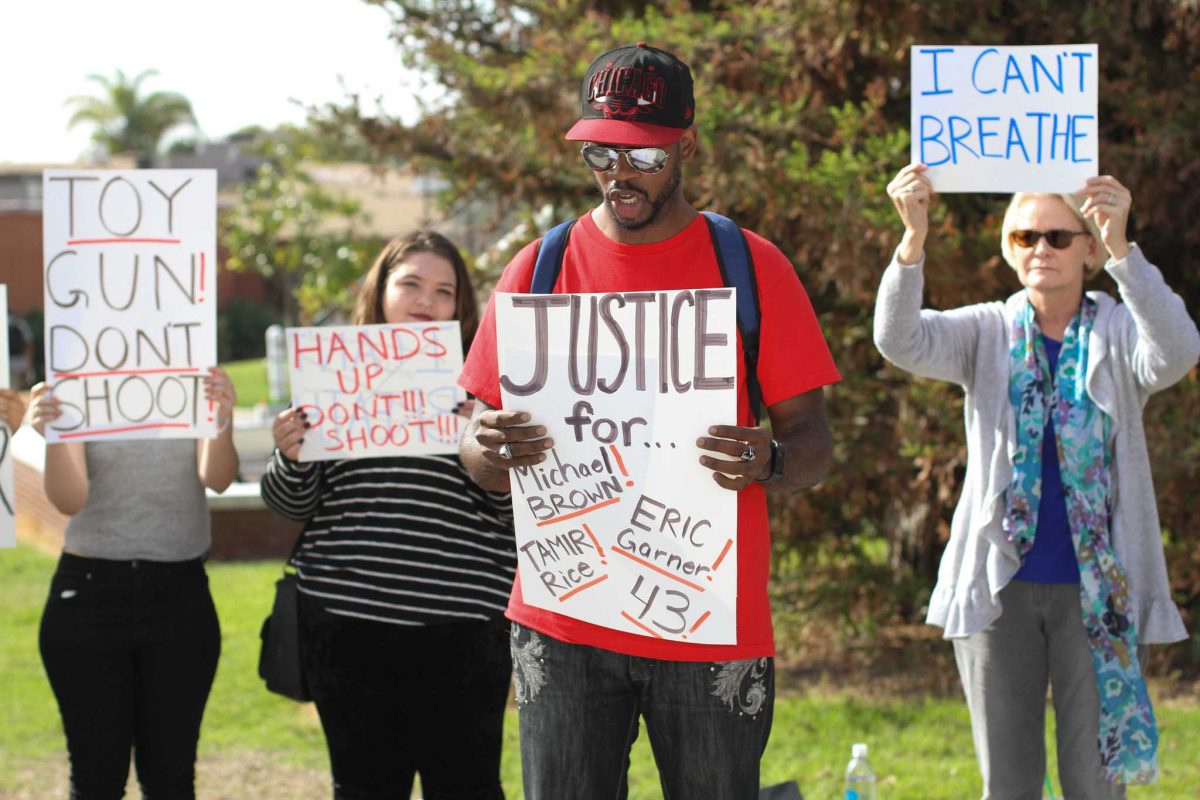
(1128, 735)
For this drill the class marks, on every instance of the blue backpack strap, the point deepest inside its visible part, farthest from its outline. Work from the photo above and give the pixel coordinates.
(737, 270)
(550, 258)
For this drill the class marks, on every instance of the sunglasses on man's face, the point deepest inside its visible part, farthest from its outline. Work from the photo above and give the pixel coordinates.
(646, 160)
(1058, 238)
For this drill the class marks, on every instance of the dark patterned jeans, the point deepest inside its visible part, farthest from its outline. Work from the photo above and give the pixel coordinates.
(708, 722)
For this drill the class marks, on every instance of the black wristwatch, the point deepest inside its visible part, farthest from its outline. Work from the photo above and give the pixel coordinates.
(778, 457)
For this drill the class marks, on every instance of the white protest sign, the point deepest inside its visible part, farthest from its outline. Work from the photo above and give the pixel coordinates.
(377, 390)
(621, 526)
(1006, 119)
(130, 299)
(8, 522)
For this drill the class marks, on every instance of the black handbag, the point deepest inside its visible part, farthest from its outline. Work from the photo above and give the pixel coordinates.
(279, 659)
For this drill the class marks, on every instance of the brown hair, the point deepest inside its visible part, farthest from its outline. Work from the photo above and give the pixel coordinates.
(368, 310)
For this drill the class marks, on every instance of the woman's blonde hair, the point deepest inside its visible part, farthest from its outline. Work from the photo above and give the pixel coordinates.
(368, 310)
(1072, 201)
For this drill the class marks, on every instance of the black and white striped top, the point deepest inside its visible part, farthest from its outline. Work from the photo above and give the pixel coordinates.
(409, 540)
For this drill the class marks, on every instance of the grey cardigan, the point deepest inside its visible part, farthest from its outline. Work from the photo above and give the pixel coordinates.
(1138, 347)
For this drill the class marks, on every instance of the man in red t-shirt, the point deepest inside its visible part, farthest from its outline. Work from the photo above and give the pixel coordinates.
(581, 687)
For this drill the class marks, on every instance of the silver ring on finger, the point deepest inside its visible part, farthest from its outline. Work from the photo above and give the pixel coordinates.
(748, 454)
(1112, 198)
(505, 451)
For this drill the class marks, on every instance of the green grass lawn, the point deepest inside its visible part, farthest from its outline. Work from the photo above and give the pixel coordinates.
(250, 380)
(921, 747)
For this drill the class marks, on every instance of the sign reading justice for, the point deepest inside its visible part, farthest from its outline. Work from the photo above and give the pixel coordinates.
(377, 390)
(1006, 119)
(130, 299)
(621, 526)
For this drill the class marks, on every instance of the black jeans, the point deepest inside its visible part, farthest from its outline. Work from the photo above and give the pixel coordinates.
(131, 649)
(397, 700)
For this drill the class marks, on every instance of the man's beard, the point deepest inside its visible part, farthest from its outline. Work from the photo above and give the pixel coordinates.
(656, 206)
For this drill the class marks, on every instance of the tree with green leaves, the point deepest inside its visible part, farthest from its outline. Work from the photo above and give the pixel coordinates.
(300, 236)
(125, 120)
(318, 143)
(802, 115)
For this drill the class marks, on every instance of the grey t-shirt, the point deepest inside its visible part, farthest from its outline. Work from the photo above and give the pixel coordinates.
(145, 501)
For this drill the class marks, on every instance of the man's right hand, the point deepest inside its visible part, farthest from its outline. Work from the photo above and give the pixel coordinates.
(506, 440)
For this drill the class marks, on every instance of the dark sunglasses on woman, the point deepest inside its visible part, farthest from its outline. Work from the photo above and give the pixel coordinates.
(1058, 238)
(646, 160)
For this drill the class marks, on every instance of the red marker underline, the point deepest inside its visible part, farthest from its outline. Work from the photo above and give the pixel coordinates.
(124, 240)
(657, 569)
(167, 371)
(579, 589)
(125, 429)
(653, 633)
(581, 512)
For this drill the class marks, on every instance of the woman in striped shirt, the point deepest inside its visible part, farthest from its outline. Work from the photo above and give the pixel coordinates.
(404, 571)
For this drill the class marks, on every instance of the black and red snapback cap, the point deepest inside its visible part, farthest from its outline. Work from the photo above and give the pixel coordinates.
(635, 95)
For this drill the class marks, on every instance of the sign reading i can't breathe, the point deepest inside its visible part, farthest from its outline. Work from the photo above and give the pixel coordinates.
(621, 526)
(1005, 119)
(130, 299)
(8, 522)
(377, 390)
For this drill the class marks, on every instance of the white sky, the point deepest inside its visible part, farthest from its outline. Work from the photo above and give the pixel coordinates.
(240, 62)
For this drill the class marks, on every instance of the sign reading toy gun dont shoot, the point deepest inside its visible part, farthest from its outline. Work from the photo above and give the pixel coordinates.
(621, 526)
(130, 299)
(377, 390)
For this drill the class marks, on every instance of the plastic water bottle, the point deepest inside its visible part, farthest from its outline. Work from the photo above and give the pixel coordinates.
(860, 775)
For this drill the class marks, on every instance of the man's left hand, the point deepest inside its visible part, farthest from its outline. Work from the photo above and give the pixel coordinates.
(749, 449)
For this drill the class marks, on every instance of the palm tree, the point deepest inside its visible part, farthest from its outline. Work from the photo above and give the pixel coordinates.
(127, 122)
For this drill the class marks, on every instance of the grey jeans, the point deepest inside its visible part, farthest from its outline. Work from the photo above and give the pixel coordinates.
(708, 722)
(1038, 641)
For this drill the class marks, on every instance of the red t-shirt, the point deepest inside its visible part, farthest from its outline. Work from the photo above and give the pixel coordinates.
(793, 359)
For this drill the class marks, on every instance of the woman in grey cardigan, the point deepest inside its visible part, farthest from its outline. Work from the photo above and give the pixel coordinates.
(1054, 572)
